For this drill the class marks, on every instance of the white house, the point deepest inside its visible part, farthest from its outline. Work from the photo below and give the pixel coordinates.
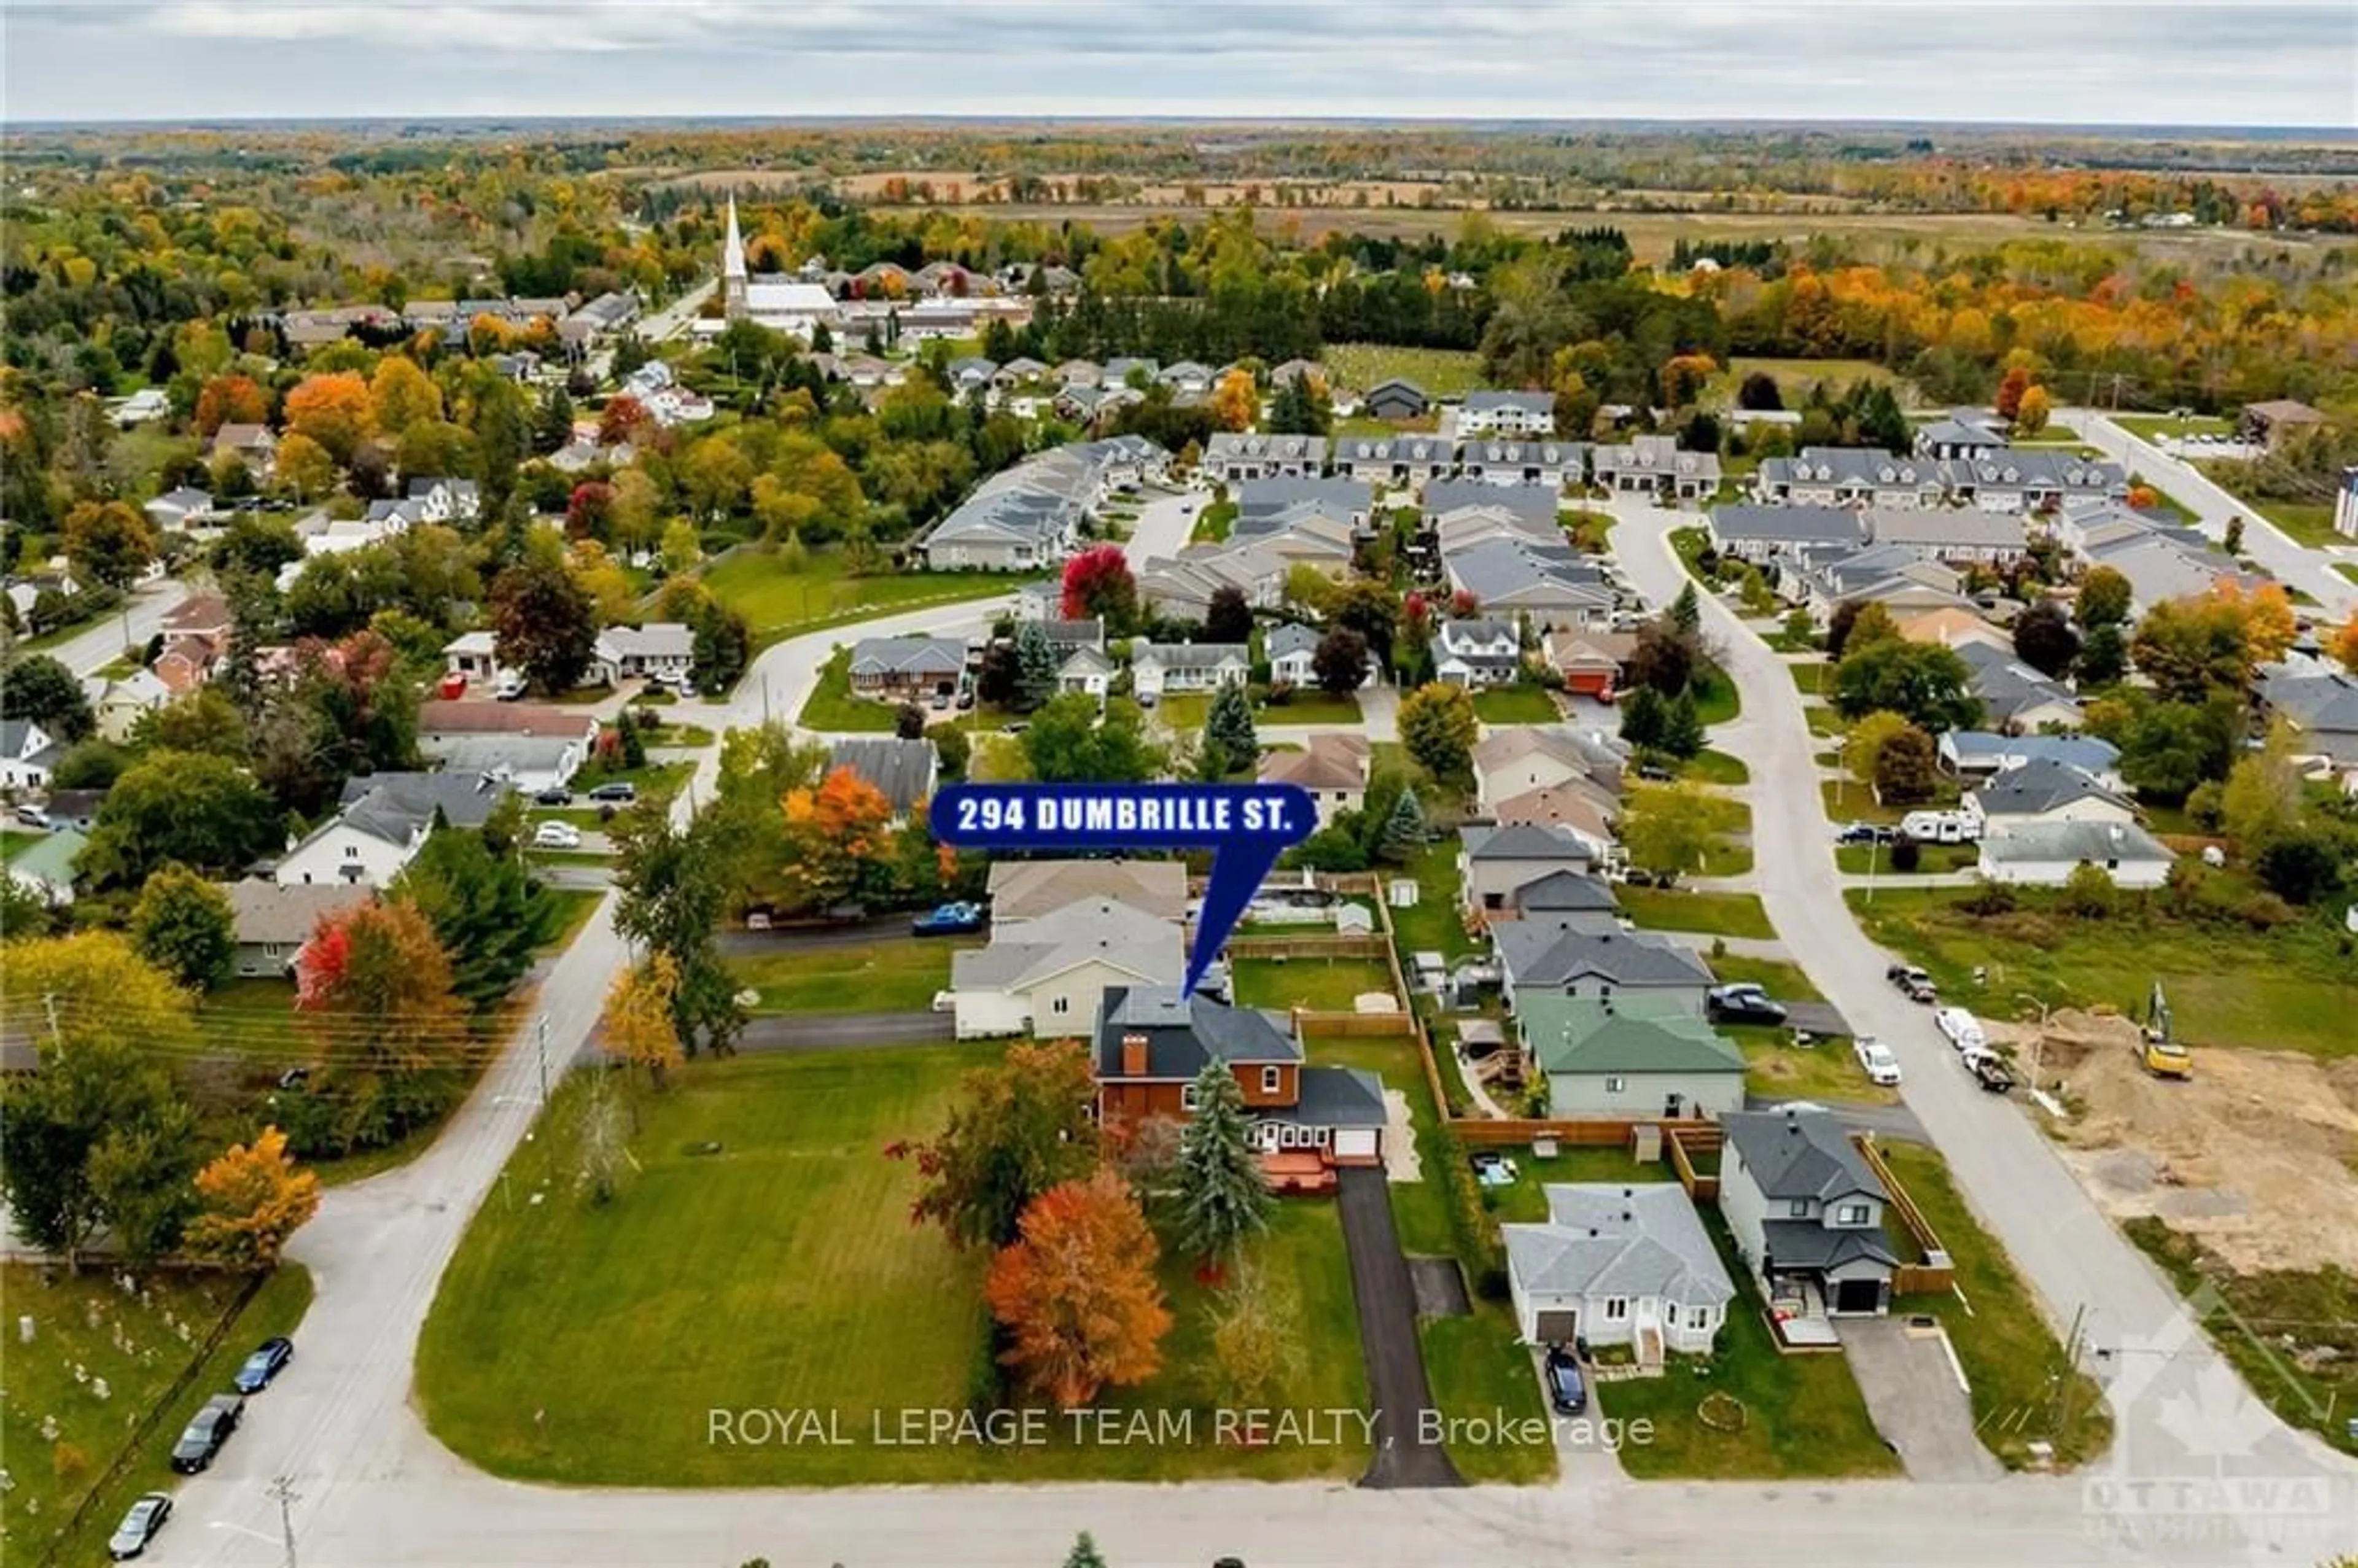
(661, 651)
(1507, 414)
(1291, 648)
(1046, 974)
(122, 703)
(1477, 653)
(381, 825)
(1157, 668)
(1806, 1211)
(27, 754)
(1618, 1265)
(2045, 854)
(2043, 790)
(1088, 671)
(474, 655)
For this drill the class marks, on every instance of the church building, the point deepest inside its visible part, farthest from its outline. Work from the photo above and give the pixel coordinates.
(783, 306)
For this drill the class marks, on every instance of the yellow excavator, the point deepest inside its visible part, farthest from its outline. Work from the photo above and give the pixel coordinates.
(2163, 1056)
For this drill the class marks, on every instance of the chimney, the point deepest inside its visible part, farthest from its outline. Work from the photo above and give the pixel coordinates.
(1133, 1055)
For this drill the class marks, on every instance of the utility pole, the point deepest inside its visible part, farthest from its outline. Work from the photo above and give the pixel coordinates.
(283, 1489)
(50, 1006)
(540, 1033)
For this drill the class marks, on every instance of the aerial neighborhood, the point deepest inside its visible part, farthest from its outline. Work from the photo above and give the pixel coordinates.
(1810, 805)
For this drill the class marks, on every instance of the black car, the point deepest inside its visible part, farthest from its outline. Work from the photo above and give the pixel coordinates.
(1742, 1005)
(1567, 1390)
(269, 1359)
(203, 1436)
(560, 795)
(1866, 833)
(618, 791)
(139, 1526)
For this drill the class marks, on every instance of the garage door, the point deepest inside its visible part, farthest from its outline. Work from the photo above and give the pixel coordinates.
(1355, 1142)
(1857, 1295)
(1558, 1328)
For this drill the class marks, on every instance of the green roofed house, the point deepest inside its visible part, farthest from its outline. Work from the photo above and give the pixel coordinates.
(1638, 1062)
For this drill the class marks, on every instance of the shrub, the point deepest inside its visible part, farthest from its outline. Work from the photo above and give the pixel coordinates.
(1988, 898)
(1905, 853)
(2089, 892)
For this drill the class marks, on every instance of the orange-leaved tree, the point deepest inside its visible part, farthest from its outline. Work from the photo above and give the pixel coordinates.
(836, 832)
(2345, 646)
(229, 400)
(390, 1037)
(1236, 402)
(1076, 1293)
(638, 1017)
(255, 1197)
(2010, 388)
(2269, 625)
(334, 410)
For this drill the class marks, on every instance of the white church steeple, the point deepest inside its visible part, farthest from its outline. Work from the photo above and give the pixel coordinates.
(732, 268)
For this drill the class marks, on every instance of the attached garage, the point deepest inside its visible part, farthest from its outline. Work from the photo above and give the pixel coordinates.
(1863, 1297)
(1556, 1327)
(1355, 1144)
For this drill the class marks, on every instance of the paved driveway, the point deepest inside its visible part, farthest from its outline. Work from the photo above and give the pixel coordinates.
(1912, 1392)
(834, 1031)
(1387, 1302)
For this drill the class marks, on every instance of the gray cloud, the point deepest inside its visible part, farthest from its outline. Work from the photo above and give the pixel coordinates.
(2212, 62)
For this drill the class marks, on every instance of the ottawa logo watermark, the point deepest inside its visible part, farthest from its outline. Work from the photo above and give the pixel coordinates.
(2200, 1462)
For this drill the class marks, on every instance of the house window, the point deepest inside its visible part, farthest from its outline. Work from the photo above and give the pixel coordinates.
(1617, 1309)
(1187, 1097)
(1615, 1086)
(1671, 1313)
(1851, 1213)
(1271, 1079)
(1061, 1004)
(1798, 1209)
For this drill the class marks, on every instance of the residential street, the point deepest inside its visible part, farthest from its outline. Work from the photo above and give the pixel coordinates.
(102, 643)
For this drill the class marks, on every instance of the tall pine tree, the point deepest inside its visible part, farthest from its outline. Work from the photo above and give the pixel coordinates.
(1223, 1193)
(1686, 610)
(1403, 830)
(1035, 665)
(1228, 729)
(1682, 728)
(1643, 719)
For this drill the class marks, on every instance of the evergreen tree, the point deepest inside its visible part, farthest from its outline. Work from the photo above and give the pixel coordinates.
(1229, 729)
(1403, 830)
(554, 429)
(1682, 728)
(1223, 1194)
(1644, 718)
(1085, 1552)
(1035, 665)
(1686, 611)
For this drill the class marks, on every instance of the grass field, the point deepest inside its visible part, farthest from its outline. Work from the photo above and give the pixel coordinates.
(1803, 1416)
(1321, 984)
(776, 602)
(86, 1321)
(580, 1344)
(1775, 1067)
(1437, 922)
(832, 707)
(2289, 989)
(2154, 427)
(2022, 1388)
(1309, 706)
(1785, 982)
(15, 841)
(1443, 372)
(1716, 768)
(898, 974)
(1809, 674)
(1794, 378)
(1516, 705)
(1714, 914)
(1717, 699)
(1862, 859)
(1213, 523)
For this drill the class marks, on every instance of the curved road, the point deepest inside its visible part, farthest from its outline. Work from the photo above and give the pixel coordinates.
(374, 1488)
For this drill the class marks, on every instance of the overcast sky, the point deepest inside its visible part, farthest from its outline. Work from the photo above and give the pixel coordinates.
(2223, 62)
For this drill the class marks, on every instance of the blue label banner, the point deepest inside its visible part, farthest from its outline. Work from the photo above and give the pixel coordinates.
(1247, 827)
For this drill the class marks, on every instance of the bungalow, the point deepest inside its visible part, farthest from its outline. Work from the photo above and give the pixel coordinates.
(2044, 790)
(1477, 653)
(1187, 378)
(1493, 862)
(1156, 669)
(1635, 971)
(1954, 534)
(143, 407)
(1966, 433)
(1088, 671)
(1514, 577)
(895, 669)
(1629, 1059)
(661, 651)
(1122, 370)
(252, 445)
(2032, 479)
(1756, 533)
(1980, 755)
(1396, 400)
(1151, 1041)
(528, 746)
(902, 771)
(273, 925)
(1182, 587)
(1466, 511)
(970, 375)
(1488, 413)
(1593, 663)
(1576, 806)
(1261, 501)
(1806, 1211)
(1049, 975)
(1850, 476)
(1233, 457)
(1618, 1265)
(446, 500)
(2045, 854)
(2015, 695)
(474, 655)
(2322, 708)
(1888, 575)
(1333, 768)
(1952, 626)
(27, 754)
(185, 507)
(46, 867)
(382, 823)
(1291, 648)
(1030, 889)
(1654, 465)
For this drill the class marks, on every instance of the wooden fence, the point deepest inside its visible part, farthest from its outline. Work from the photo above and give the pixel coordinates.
(1934, 1274)
(1602, 1133)
(1687, 1142)
(1356, 1025)
(1325, 946)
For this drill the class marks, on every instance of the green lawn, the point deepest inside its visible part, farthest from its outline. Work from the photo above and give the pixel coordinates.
(898, 974)
(1516, 705)
(2023, 1389)
(1213, 523)
(1310, 708)
(1717, 699)
(1441, 373)
(50, 1480)
(15, 841)
(2244, 1314)
(1184, 714)
(1794, 379)
(1714, 914)
(1321, 984)
(1592, 532)
(832, 707)
(2153, 427)
(2347, 569)
(1802, 1416)
(1716, 768)
(1774, 1066)
(1861, 860)
(776, 602)
(1825, 721)
(570, 910)
(781, 1273)
(1847, 800)
(2293, 988)
(1437, 922)
(1525, 1202)
(1783, 981)
(1809, 674)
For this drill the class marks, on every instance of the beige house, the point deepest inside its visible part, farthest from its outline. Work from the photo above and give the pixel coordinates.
(1333, 768)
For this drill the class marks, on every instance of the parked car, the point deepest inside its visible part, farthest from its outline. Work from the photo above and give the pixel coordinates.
(202, 1438)
(1875, 1059)
(1567, 1390)
(1654, 772)
(1913, 983)
(558, 795)
(139, 1526)
(269, 1359)
(948, 920)
(1866, 833)
(1742, 1003)
(33, 817)
(946, 1002)
(1989, 1070)
(556, 836)
(620, 792)
(1964, 1032)
(511, 688)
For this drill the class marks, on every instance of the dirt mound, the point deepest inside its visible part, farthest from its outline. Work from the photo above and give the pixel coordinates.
(2252, 1155)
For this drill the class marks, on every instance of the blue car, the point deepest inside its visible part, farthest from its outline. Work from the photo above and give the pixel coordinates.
(269, 1359)
(948, 920)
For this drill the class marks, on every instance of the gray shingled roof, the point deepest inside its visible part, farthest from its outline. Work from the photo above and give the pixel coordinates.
(1645, 1240)
(1542, 956)
(1788, 525)
(1184, 1033)
(2038, 787)
(901, 769)
(1799, 1154)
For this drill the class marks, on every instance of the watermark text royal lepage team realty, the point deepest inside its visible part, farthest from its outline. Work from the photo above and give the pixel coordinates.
(919, 1426)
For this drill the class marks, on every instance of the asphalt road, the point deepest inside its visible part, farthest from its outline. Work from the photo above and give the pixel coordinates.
(101, 644)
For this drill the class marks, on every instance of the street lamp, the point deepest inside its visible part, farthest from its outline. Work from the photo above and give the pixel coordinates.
(2038, 1041)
